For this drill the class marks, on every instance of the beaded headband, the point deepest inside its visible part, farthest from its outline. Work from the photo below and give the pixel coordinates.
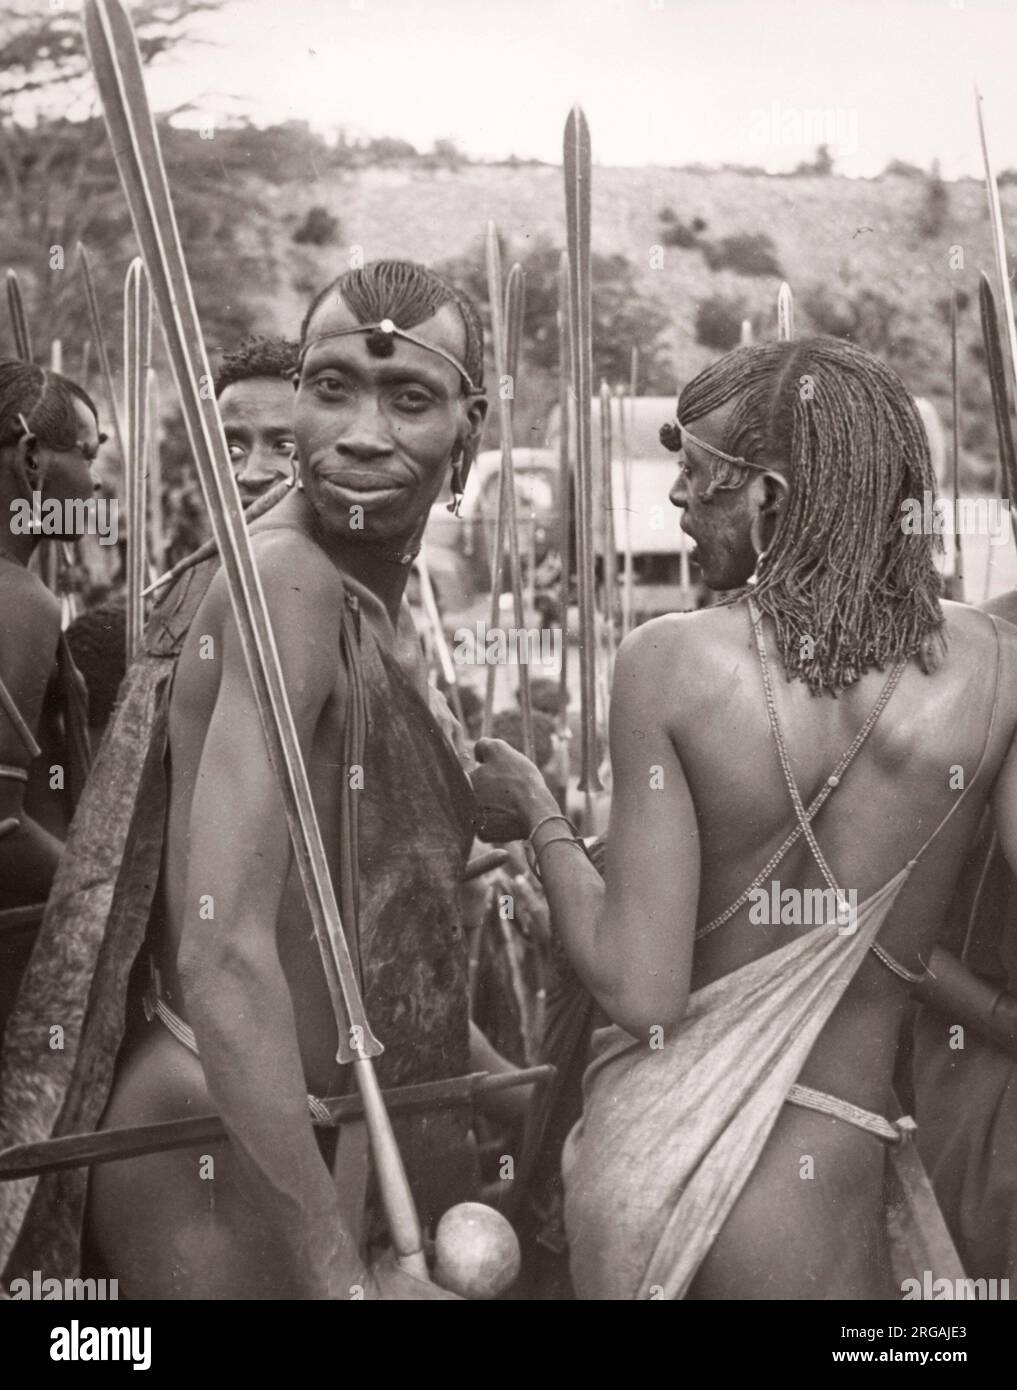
(685, 433)
(382, 344)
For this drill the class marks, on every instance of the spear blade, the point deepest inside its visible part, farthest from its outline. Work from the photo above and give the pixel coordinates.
(998, 238)
(19, 319)
(578, 169)
(785, 315)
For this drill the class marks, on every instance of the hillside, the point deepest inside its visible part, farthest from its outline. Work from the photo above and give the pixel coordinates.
(847, 236)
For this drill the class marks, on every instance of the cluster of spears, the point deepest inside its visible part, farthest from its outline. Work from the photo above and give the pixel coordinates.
(158, 286)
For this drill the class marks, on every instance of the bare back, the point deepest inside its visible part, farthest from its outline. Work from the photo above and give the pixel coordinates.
(921, 755)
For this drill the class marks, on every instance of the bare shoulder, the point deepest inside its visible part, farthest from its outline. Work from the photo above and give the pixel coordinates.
(673, 663)
(973, 636)
(27, 601)
(972, 633)
(297, 578)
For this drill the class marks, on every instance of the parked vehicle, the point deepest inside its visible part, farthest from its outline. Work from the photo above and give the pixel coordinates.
(664, 580)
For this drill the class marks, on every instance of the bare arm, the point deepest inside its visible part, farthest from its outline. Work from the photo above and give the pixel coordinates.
(238, 999)
(629, 939)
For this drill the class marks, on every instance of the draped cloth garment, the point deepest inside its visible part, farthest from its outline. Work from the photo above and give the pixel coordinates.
(669, 1137)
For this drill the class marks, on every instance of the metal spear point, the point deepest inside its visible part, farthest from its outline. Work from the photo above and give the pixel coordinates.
(998, 239)
(19, 319)
(785, 314)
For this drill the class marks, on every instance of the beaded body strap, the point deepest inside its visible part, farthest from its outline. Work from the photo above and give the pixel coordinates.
(803, 816)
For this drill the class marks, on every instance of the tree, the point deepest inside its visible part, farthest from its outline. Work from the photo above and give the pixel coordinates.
(58, 182)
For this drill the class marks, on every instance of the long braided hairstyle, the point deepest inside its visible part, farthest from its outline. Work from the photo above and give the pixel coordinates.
(407, 293)
(846, 587)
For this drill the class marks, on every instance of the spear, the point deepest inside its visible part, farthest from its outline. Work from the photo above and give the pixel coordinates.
(261, 504)
(1000, 400)
(957, 587)
(515, 299)
(114, 57)
(137, 356)
(564, 523)
(998, 238)
(578, 172)
(626, 408)
(430, 605)
(19, 320)
(494, 299)
(157, 547)
(785, 314)
(507, 334)
(100, 347)
(134, 1141)
(607, 521)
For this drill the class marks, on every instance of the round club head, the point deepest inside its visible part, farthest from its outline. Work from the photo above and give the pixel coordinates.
(476, 1251)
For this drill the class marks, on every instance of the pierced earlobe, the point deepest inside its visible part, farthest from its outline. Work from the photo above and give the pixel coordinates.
(460, 473)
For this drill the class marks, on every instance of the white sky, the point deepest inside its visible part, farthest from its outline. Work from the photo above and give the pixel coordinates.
(662, 81)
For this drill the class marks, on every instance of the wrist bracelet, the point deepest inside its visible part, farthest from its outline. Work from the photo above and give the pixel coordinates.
(535, 853)
(555, 815)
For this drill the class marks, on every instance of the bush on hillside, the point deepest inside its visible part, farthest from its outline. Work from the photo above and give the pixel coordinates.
(748, 253)
(319, 228)
(719, 321)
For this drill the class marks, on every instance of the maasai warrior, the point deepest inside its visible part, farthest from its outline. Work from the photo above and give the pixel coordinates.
(966, 1082)
(805, 743)
(389, 398)
(48, 439)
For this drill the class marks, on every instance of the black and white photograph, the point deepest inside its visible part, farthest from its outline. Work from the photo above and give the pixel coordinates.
(508, 667)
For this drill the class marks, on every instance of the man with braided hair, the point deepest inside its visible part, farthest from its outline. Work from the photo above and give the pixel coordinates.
(237, 1017)
(779, 762)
